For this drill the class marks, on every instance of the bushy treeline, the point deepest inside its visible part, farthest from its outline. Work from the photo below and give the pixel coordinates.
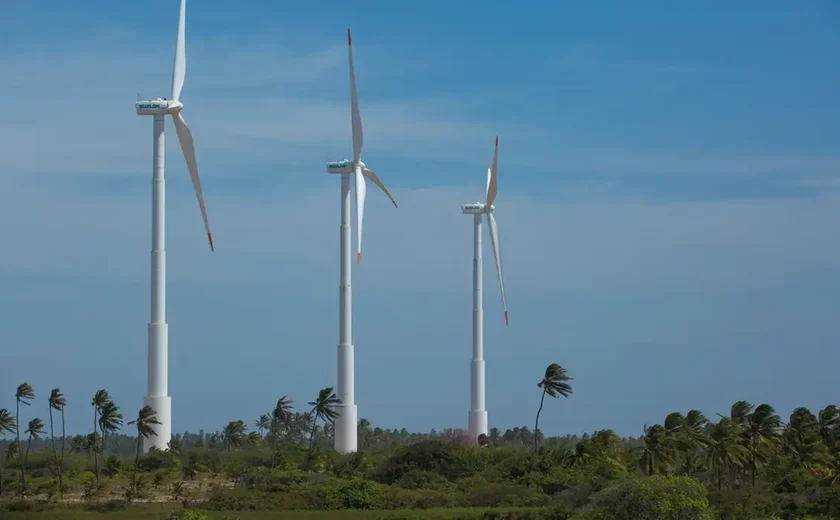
(748, 464)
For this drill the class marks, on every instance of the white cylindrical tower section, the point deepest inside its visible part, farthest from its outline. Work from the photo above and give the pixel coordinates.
(478, 414)
(346, 424)
(158, 333)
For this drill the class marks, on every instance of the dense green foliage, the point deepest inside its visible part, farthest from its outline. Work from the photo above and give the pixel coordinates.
(748, 464)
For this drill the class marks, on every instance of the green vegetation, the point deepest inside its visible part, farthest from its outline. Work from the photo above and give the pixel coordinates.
(749, 464)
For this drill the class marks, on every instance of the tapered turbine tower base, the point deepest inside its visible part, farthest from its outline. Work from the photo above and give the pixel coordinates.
(345, 424)
(158, 331)
(478, 415)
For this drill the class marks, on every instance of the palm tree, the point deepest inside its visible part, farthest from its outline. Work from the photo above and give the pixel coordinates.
(58, 402)
(324, 407)
(23, 395)
(688, 435)
(110, 421)
(34, 430)
(234, 434)
(725, 450)
(7, 425)
(363, 432)
(146, 419)
(803, 441)
(281, 414)
(740, 411)
(254, 439)
(100, 399)
(263, 423)
(761, 428)
(174, 447)
(579, 455)
(555, 383)
(657, 453)
(829, 423)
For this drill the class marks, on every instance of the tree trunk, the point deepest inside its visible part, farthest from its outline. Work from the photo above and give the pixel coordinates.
(136, 463)
(95, 447)
(273, 442)
(20, 452)
(61, 462)
(312, 435)
(537, 422)
(720, 477)
(650, 464)
(52, 440)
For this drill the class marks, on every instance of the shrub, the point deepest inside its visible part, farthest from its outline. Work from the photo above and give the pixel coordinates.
(451, 461)
(504, 494)
(652, 498)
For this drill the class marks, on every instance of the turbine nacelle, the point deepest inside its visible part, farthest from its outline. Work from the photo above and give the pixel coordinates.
(476, 208)
(344, 166)
(157, 107)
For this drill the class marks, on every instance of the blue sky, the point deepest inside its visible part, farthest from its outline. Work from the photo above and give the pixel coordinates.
(668, 197)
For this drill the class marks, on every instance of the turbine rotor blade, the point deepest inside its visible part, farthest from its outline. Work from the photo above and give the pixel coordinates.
(372, 176)
(497, 254)
(179, 70)
(491, 181)
(361, 191)
(355, 116)
(188, 147)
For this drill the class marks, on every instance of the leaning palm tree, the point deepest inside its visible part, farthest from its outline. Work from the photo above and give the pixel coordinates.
(263, 423)
(658, 451)
(23, 395)
(34, 430)
(761, 428)
(725, 450)
(234, 434)
(555, 383)
(281, 415)
(110, 421)
(146, 419)
(100, 399)
(7, 425)
(58, 402)
(692, 439)
(324, 408)
(829, 423)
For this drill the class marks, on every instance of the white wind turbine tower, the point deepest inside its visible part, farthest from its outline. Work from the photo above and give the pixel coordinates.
(478, 412)
(346, 424)
(158, 339)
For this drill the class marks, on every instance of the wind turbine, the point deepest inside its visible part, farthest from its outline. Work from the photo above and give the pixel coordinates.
(346, 424)
(158, 332)
(478, 413)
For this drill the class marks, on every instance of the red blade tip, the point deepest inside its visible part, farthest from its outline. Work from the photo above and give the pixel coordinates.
(210, 238)
(395, 203)
(358, 258)
(506, 318)
(497, 140)
(349, 41)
